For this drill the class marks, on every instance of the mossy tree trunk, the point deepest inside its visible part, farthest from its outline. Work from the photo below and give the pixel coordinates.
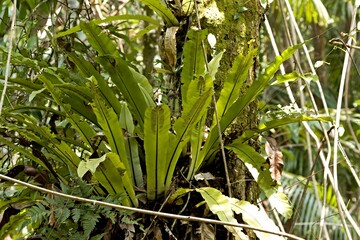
(236, 26)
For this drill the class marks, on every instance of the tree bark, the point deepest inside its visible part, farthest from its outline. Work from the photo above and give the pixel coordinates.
(236, 26)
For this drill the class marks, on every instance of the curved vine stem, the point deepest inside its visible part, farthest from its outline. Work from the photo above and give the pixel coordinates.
(144, 211)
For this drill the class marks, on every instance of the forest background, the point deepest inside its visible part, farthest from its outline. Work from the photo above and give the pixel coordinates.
(153, 119)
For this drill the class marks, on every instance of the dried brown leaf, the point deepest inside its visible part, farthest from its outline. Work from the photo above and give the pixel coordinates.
(275, 158)
(170, 46)
(157, 233)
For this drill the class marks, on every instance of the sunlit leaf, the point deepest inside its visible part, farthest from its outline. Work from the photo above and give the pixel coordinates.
(214, 64)
(255, 217)
(178, 194)
(280, 201)
(220, 205)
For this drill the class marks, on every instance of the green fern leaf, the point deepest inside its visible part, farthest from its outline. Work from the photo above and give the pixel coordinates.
(160, 8)
(239, 105)
(156, 140)
(194, 61)
(194, 109)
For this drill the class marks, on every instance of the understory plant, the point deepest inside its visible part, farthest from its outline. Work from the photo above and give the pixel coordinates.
(95, 119)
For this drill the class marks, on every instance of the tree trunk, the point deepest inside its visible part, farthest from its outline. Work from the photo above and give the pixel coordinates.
(235, 25)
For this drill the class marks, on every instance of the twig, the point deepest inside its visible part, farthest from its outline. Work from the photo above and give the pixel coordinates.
(144, 211)
(7, 68)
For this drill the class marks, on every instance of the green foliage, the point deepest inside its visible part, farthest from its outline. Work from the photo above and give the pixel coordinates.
(225, 207)
(59, 218)
(220, 205)
(91, 112)
(156, 140)
(310, 210)
(160, 8)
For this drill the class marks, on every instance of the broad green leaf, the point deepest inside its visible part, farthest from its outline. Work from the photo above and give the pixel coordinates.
(77, 104)
(215, 63)
(275, 124)
(110, 171)
(234, 82)
(255, 217)
(255, 163)
(88, 71)
(239, 105)
(280, 201)
(197, 87)
(148, 99)
(34, 93)
(123, 78)
(65, 154)
(160, 8)
(178, 194)
(26, 84)
(99, 40)
(71, 90)
(90, 165)
(81, 108)
(199, 98)
(126, 120)
(132, 150)
(247, 154)
(196, 141)
(71, 76)
(194, 61)
(84, 130)
(131, 145)
(220, 205)
(108, 20)
(120, 165)
(294, 76)
(286, 78)
(110, 124)
(142, 32)
(142, 81)
(156, 145)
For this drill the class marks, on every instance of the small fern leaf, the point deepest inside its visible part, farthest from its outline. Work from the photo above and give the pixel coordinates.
(89, 222)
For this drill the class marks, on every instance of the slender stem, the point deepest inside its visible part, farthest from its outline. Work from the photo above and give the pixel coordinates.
(144, 211)
(337, 125)
(305, 124)
(7, 68)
